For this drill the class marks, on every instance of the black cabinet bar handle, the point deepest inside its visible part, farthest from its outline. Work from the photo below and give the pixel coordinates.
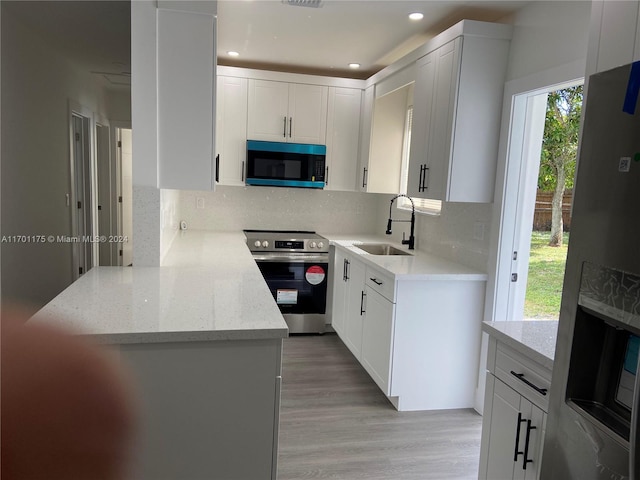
(242, 173)
(290, 125)
(520, 376)
(420, 178)
(217, 168)
(348, 265)
(362, 303)
(517, 452)
(376, 281)
(284, 130)
(326, 177)
(364, 177)
(344, 270)
(525, 459)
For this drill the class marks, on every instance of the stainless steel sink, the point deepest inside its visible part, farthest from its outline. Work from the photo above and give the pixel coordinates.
(381, 249)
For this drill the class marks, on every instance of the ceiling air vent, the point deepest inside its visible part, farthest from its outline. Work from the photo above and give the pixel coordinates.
(304, 3)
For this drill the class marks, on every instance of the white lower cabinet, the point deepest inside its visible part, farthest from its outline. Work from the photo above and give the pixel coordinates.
(419, 340)
(377, 338)
(514, 420)
(354, 305)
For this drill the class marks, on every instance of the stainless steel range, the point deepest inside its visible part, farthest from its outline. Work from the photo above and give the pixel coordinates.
(295, 265)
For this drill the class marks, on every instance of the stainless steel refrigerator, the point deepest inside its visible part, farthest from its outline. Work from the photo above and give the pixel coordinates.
(592, 428)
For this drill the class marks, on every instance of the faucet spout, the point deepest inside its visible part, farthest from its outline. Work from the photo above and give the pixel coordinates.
(411, 240)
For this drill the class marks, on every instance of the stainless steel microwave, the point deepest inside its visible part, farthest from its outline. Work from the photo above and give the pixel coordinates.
(285, 164)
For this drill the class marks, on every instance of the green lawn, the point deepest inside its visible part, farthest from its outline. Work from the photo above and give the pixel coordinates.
(546, 274)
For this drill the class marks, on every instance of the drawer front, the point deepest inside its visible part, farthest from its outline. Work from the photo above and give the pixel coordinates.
(525, 376)
(382, 283)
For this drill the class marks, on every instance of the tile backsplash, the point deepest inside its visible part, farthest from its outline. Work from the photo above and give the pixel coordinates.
(460, 233)
(237, 208)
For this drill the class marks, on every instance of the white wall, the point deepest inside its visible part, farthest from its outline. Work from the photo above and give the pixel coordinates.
(37, 83)
(547, 35)
(614, 36)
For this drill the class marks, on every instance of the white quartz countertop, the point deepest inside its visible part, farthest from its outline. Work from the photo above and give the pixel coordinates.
(417, 266)
(209, 288)
(535, 339)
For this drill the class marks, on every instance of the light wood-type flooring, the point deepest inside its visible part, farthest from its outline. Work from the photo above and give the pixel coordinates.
(335, 423)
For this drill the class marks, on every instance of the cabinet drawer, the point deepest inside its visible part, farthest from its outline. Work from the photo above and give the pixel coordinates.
(522, 374)
(382, 283)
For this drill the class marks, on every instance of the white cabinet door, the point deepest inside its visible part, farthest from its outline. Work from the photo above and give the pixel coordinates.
(434, 102)
(343, 130)
(447, 60)
(287, 112)
(504, 427)
(268, 110)
(456, 120)
(422, 117)
(516, 435)
(231, 129)
(365, 137)
(338, 310)
(186, 110)
(354, 306)
(307, 114)
(377, 339)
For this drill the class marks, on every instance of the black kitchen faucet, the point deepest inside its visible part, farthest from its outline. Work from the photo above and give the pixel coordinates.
(412, 239)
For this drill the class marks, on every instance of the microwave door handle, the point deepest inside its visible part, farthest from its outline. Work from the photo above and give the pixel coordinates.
(634, 437)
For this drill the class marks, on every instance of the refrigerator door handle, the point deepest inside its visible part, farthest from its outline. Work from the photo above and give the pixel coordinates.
(634, 455)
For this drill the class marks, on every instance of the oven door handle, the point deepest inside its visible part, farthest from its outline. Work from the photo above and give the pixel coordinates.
(292, 258)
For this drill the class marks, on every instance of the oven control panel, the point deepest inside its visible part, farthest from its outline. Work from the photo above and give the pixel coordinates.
(269, 241)
(290, 244)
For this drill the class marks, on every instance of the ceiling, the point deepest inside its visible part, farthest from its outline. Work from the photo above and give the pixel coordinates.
(268, 34)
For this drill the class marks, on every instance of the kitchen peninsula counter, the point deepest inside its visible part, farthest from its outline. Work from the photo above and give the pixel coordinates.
(209, 288)
(202, 337)
(416, 266)
(535, 339)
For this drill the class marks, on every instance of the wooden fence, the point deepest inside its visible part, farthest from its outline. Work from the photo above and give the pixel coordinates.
(542, 214)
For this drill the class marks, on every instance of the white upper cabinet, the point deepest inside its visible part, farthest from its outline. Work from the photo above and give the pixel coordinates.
(231, 129)
(365, 137)
(287, 112)
(185, 97)
(343, 136)
(456, 120)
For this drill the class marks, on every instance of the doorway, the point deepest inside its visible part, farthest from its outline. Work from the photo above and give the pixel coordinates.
(124, 157)
(81, 196)
(521, 182)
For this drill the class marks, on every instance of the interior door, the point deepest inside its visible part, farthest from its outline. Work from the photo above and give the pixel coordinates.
(82, 178)
(107, 195)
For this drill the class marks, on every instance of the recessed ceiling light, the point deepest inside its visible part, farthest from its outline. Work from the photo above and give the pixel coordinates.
(416, 16)
(354, 65)
(233, 54)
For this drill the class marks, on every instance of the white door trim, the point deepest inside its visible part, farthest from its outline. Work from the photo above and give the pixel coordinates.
(503, 223)
(512, 144)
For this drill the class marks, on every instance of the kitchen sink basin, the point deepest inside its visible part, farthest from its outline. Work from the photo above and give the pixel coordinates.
(381, 249)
